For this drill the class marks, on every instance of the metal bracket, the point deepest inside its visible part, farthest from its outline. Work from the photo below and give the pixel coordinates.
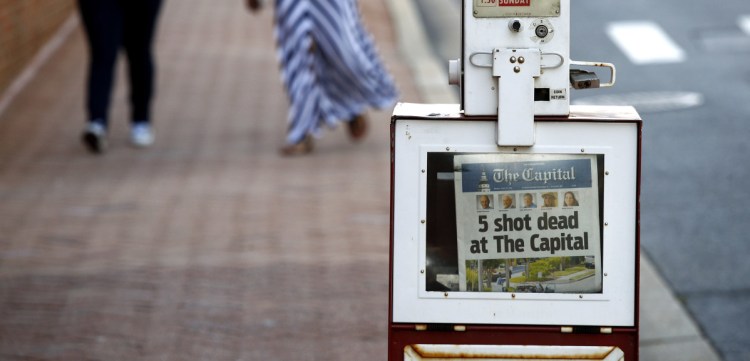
(586, 329)
(610, 66)
(516, 70)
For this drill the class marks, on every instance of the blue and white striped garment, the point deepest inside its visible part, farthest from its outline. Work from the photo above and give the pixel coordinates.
(340, 77)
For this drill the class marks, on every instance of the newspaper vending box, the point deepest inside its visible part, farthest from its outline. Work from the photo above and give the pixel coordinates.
(514, 216)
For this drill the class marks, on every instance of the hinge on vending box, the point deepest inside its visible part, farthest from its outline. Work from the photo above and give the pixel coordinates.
(586, 329)
(443, 327)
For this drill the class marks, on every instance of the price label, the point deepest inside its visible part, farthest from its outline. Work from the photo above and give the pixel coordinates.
(516, 8)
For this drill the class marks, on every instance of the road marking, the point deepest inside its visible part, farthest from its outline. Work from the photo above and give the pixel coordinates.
(744, 23)
(648, 102)
(645, 42)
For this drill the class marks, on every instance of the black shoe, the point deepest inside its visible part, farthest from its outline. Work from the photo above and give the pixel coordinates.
(95, 137)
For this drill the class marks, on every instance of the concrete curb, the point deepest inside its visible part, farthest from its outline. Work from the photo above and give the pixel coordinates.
(431, 78)
(41, 57)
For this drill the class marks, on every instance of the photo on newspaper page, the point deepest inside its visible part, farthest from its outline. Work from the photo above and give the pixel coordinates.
(528, 223)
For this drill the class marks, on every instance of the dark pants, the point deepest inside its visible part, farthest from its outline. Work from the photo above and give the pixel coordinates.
(109, 25)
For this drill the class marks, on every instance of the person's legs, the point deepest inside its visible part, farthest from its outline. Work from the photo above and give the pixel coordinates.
(140, 18)
(102, 21)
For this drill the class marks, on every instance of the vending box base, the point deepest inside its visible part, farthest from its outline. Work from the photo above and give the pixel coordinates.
(510, 343)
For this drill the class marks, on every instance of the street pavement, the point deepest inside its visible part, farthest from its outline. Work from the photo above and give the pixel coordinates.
(210, 245)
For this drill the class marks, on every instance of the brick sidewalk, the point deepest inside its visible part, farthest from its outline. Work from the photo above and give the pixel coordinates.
(208, 246)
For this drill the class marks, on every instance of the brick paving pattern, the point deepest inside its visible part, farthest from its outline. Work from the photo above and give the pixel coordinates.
(209, 245)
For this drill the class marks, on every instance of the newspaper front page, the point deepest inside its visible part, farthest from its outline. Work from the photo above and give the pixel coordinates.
(528, 223)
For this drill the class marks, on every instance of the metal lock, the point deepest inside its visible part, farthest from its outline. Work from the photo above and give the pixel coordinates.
(582, 79)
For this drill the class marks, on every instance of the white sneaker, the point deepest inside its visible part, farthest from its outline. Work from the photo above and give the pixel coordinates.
(95, 137)
(141, 135)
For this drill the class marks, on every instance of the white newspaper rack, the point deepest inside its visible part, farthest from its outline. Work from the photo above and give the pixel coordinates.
(422, 133)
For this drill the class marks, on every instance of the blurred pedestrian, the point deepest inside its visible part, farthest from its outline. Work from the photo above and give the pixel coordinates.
(111, 25)
(330, 68)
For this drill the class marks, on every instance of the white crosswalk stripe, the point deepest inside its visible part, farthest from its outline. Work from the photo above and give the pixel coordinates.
(645, 42)
(744, 23)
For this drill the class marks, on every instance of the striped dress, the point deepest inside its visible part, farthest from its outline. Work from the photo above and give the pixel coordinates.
(329, 65)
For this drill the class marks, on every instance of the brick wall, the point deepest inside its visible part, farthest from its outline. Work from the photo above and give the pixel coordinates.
(25, 26)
